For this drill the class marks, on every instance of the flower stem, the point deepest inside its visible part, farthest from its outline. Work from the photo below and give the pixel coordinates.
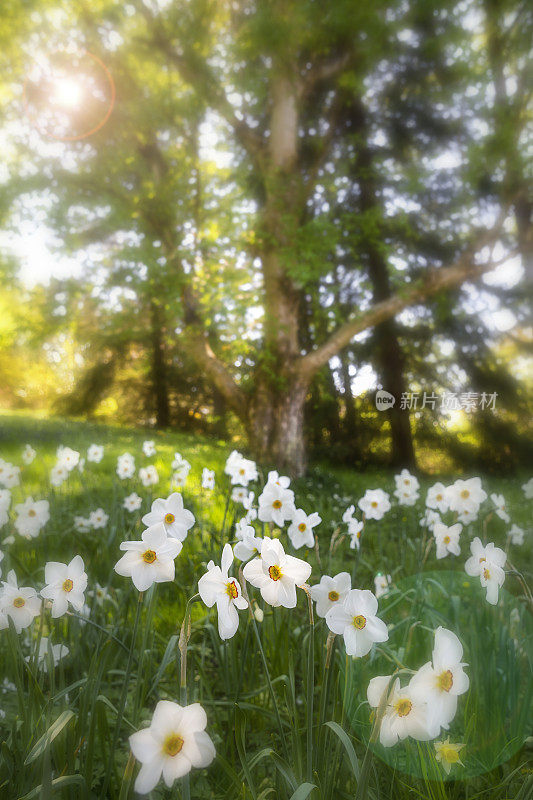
(310, 685)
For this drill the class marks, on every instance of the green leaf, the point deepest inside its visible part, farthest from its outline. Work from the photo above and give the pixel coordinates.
(48, 737)
(58, 783)
(348, 746)
(303, 791)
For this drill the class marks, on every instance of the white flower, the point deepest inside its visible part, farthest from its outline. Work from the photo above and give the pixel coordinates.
(354, 532)
(405, 713)
(374, 504)
(406, 496)
(487, 564)
(65, 583)
(95, 453)
(381, 584)
(241, 470)
(516, 535)
(5, 499)
(348, 514)
(466, 516)
(132, 502)
(276, 574)
(208, 478)
(527, 488)
(300, 531)
(67, 457)
(466, 496)
(276, 504)
(58, 474)
(330, 592)
(176, 519)
(99, 593)
(98, 518)
(125, 466)
(82, 524)
(21, 604)
(180, 464)
(58, 651)
(356, 620)
(28, 454)
(239, 494)
(249, 544)
(148, 475)
(217, 587)
(151, 560)
(499, 502)
(447, 539)
(9, 474)
(430, 519)
(175, 742)
(280, 480)
(406, 482)
(437, 498)
(32, 516)
(149, 448)
(440, 682)
(179, 479)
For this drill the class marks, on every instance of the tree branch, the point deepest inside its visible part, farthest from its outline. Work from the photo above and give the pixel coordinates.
(206, 359)
(464, 269)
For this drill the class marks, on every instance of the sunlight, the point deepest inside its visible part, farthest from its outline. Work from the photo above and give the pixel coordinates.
(67, 93)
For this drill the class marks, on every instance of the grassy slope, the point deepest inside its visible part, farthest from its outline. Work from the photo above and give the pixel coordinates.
(393, 546)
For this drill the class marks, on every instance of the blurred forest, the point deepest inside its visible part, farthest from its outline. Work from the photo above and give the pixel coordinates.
(286, 196)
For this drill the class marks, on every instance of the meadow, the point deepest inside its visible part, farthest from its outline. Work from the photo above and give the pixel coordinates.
(287, 707)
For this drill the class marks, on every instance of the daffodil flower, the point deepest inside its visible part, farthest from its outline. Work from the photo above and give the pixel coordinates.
(355, 619)
(216, 586)
(150, 560)
(276, 574)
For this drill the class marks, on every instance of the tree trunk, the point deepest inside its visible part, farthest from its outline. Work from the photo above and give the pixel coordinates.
(159, 368)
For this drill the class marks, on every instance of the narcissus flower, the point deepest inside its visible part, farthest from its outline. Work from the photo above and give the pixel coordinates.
(125, 466)
(406, 488)
(208, 478)
(249, 544)
(21, 604)
(132, 502)
(381, 584)
(405, 713)
(300, 531)
(466, 496)
(241, 470)
(176, 519)
(486, 563)
(9, 474)
(174, 742)
(150, 560)
(440, 682)
(149, 448)
(58, 474)
(276, 574)
(374, 504)
(499, 503)
(437, 498)
(356, 620)
(28, 454)
(67, 457)
(32, 515)
(82, 524)
(447, 539)
(57, 652)
(516, 535)
(65, 583)
(148, 475)
(330, 592)
(216, 586)
(448, 754)
(527, 488)
(98, 518)
(95, 453)
(276, 504)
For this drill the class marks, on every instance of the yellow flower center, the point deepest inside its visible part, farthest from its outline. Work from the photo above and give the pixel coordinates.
(446, 540)
(374, 504)
(19, 602)
(31, 513)
(276, 504)
(449, 753)
(275, 572)
(302, 526)
(445, 681)
(231, 590)
(359, 622)
(406, 482)
(241, 472)
(403, 707)
(465, 493)
(169, 518)
(173, 744)
(486, 574)
(439, 497)
(333, 596)
(68, 585)
(149, 556)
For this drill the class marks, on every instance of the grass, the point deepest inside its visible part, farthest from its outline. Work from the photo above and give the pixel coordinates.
(291, 725)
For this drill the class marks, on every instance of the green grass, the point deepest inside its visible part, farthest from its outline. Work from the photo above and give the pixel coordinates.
(60, 735)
